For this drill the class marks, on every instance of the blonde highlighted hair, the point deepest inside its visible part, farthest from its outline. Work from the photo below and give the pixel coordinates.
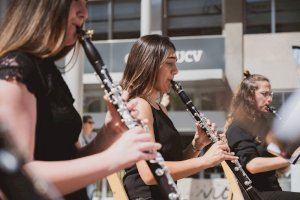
(37, 27)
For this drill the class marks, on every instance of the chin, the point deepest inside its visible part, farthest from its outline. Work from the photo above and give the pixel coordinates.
(71, 39)
(169, 89)
(166, 90)
(70, 42)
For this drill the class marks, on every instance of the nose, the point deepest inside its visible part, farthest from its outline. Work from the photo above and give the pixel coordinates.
(269, 99)
(175, 71)
(83, 11)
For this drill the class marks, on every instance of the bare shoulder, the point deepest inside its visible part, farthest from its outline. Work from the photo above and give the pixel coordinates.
(17, 104)
(141, 100)
(144, 108)
(14, 92)
(142, 103)
(15, 99)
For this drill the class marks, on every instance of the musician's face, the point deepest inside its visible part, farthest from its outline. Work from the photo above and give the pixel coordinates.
(88, 126)
(166, 73)
(77, 15)
(263, 95)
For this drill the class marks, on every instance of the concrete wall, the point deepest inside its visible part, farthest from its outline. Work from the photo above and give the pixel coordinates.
(271, 55)
(233, 33)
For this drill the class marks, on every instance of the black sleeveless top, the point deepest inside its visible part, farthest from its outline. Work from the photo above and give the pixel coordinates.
(248, 147)
(58, 123)
(166, 134)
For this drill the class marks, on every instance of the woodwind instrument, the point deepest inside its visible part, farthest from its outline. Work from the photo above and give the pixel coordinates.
(244, 181)
(160, 172)
(286, 148)
(273, 110)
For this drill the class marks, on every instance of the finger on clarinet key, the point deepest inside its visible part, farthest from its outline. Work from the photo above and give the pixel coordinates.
(208, 122)
(131, 105)
(134, 113)
(125, 95)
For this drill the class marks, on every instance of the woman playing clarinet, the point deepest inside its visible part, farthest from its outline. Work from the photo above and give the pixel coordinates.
(37, 106)
(247, 125)
(149, 70)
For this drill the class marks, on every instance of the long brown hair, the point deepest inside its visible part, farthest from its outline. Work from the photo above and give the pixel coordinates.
(37, 27)
(144, 60)
(243, 105)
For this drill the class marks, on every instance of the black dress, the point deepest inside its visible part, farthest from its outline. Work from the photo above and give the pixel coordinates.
(166, 134)
(247, 147)
(58, 123)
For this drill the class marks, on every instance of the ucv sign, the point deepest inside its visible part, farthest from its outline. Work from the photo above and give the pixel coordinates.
(189, 56)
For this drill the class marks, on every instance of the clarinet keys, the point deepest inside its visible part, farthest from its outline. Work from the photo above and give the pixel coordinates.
(173, 196)
(159, 172)
(247, 183)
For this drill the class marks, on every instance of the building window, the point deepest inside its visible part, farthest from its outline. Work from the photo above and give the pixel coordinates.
(287, 15)
(98, 19)
(258, 16)
(92, 104)
(279, 98)
(197, 17)
(126, 18)
(266, 16)
(114, 19)
(93, 101)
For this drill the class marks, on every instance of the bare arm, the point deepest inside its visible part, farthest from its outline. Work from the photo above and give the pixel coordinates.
(191, 152)
(17, 104)
(264, 164)
(18, 113)
(71, 175)
(179, 169)
(199, 141)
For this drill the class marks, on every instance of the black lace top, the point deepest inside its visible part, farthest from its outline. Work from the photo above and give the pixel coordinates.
(166, 134)
(58, 123)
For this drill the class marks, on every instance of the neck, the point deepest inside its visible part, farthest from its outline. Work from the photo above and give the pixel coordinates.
(86, 132)
(152, 99)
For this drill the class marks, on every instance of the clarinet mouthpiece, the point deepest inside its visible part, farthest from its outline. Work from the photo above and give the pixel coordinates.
(271, 109)
(80, 31)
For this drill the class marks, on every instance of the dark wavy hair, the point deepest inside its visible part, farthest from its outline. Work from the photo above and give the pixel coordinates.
(243, 105)
(145, 58)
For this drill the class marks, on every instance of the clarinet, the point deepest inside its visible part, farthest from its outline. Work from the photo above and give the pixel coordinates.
(288, 147)
(160, 172)
(273, 110)
(14, 183)
(242, 178)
